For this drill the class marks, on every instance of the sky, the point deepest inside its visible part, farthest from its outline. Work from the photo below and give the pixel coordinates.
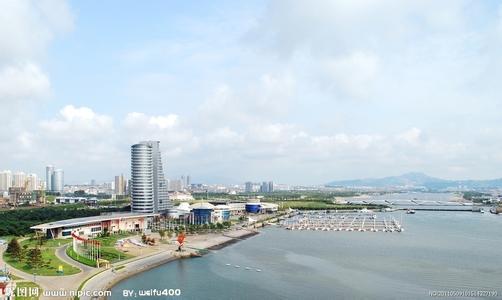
(297, 92)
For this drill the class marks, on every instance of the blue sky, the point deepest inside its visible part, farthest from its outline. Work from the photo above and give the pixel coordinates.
(253, 90)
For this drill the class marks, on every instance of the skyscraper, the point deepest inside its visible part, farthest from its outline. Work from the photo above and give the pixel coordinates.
(49, 172)
(270, 186)
(264, 187)
(54, 179)
(248, 187)
(5, 180)
(18, 179)
(149, 187)
(120, 185)
(57, 181)
(32, 182)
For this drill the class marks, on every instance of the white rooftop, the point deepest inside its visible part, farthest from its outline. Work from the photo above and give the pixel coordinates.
(90, 220)
(184, 206)
(203, 205)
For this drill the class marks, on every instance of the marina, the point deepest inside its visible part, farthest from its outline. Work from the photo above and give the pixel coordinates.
(335, 221)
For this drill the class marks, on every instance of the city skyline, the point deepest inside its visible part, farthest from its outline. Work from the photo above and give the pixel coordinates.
(242, 91)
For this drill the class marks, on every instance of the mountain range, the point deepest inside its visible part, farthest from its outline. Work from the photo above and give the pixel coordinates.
(417, 180)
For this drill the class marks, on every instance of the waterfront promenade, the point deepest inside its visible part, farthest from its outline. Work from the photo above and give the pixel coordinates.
(53, 283)
(93, 279)
(120, 271)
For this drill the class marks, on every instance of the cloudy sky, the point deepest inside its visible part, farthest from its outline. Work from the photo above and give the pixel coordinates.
(253, 90)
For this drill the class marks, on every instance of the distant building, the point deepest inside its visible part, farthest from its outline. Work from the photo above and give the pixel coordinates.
(149, 187)
(248, 187)
(180, 196)
(49, 172)
(32, 183)
(4, 202)
(270, 186)
(264, 187)
(73, 200)
(54, 179)
(175, 185)
(5, 180)
(19, 196)
(58, 181)
(188, 181)
(18, 179)
(120, 185)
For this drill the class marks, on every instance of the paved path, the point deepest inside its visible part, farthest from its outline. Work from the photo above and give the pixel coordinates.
(53, 283)
(102, 281)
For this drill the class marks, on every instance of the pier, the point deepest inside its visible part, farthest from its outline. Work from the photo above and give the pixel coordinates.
(334, 221)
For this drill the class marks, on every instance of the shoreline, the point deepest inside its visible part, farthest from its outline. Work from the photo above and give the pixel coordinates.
(155, 260)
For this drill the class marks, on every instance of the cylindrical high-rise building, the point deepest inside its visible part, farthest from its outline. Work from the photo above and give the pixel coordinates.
(58, 181)
(142, 178)
(49, 172)
(148, 185)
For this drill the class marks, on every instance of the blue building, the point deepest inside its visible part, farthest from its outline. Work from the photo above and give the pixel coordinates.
(253, 207)
(202, 213)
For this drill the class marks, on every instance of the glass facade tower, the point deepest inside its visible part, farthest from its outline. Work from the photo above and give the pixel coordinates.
(148, 185)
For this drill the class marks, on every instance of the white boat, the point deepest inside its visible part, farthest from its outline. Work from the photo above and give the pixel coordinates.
(410, 211)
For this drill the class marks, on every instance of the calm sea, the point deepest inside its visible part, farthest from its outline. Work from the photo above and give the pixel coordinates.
(438, 251)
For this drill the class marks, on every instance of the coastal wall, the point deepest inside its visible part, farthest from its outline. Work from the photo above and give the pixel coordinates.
(107, 279)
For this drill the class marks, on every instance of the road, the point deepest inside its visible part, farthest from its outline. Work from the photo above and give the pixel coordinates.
(55, 283)
(103, 280)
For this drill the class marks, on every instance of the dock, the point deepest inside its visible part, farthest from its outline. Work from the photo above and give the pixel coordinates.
(335, 221)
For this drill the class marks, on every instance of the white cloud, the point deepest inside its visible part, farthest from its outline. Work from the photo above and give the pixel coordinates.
(27, 27)
(174, 135)
(411, 136)
(23, 81)
(353, 74)
(81, 122)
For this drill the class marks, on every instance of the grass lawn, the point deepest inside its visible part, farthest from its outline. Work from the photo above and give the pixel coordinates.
(80, 258)
(47, 244)
(28, 286)
(108, 250)
(48, 256)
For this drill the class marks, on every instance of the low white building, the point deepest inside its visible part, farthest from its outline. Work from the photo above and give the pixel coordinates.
(93, 226)
(179, 196)
(69, 200)
(268, 207)
(237, 209)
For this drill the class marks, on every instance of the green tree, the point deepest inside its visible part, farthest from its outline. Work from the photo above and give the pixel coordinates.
(34, 258)
(14, 249)
(162, 233)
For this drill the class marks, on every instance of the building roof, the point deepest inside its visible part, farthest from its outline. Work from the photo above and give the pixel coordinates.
(184, 206)
(90, 220)
(203, 205)
(269, 205)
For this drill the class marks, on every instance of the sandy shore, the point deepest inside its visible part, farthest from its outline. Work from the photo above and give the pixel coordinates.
(105, 280)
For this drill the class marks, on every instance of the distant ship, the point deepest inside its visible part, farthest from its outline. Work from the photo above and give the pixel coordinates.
(410, 211)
